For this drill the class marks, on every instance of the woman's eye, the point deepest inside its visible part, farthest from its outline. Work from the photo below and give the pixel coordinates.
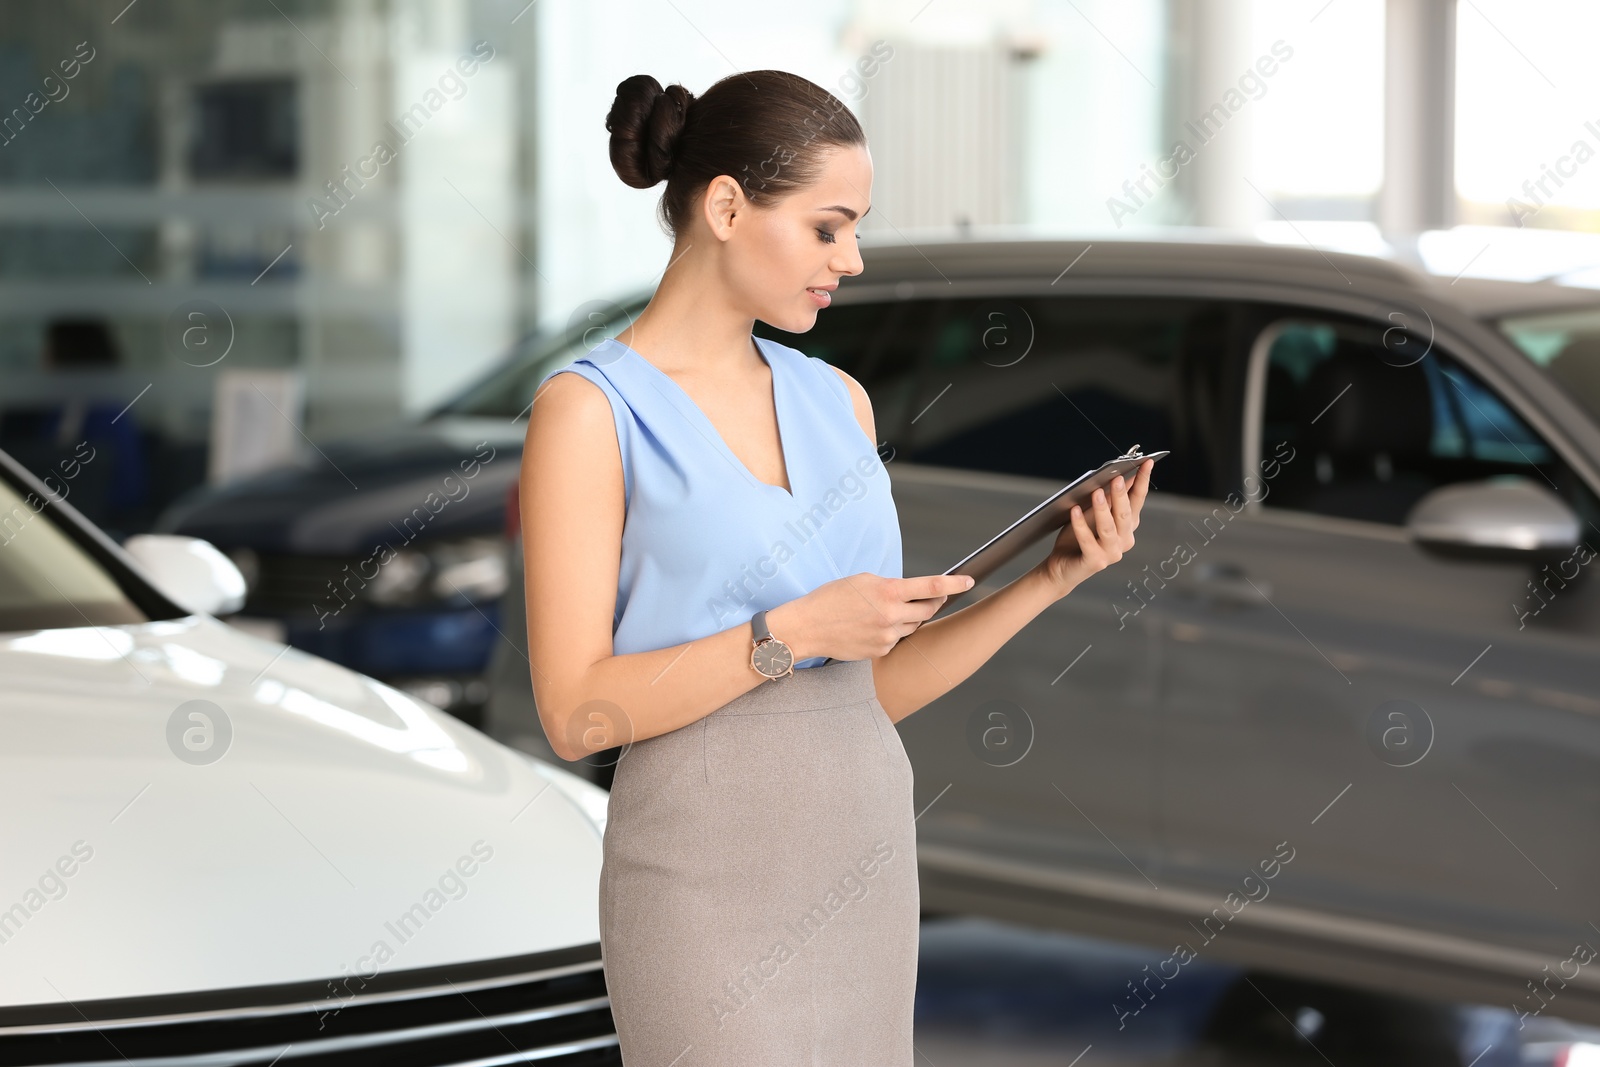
(826, 236)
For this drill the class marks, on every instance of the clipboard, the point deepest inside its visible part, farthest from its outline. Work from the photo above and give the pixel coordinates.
(1048, 516)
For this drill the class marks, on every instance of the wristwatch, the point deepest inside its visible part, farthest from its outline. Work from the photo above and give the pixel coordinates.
(770, 657)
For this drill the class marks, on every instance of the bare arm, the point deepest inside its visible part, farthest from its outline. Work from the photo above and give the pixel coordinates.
(943, 653)
(572, 514)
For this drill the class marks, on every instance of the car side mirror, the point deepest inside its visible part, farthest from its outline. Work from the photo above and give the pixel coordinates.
(1495, 517)
(192, 573)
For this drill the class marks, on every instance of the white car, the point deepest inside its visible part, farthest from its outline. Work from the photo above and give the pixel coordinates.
(218, 850)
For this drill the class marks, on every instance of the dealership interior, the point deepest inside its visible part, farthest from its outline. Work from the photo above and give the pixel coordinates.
(1310, 776)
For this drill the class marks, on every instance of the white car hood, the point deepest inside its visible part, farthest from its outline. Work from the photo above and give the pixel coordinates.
(334, 835)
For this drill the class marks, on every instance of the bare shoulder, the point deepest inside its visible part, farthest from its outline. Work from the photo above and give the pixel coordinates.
(573, 412)
(572, 391)
(862, 403)
(571, 445)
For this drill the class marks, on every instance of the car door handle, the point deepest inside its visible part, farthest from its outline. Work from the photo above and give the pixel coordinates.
(1227, 583)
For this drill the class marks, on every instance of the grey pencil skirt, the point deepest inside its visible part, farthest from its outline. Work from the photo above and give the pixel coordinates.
(758, 896)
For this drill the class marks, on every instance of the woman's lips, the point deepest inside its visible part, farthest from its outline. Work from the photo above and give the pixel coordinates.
(821, 296)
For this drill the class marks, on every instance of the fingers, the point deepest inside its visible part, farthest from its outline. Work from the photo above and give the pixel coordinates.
(1116, 516)
(1141, 485)
(1105, 523)
(918, 612)
(1120, 505)
(1088, 547)
(955, 583)
(936, 585)
(1123, 510)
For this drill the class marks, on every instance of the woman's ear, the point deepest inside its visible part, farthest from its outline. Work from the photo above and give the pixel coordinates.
(722, 202)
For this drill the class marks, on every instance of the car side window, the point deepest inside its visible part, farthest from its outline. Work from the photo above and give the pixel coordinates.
(508, 391)
(1052, 386)
(1372, 426)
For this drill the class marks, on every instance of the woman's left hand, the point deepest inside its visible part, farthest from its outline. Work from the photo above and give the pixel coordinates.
(1081, 550)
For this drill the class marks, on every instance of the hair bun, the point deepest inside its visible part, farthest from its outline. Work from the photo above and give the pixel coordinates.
(645, 123)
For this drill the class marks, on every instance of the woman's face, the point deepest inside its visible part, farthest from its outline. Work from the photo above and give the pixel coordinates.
(784, 259)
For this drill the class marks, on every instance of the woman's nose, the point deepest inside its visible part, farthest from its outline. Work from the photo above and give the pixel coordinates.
(848, 261)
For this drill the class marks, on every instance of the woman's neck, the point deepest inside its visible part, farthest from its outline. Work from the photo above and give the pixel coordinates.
(690, 325)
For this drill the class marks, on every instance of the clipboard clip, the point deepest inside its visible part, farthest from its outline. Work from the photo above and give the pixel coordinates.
(1132, 453)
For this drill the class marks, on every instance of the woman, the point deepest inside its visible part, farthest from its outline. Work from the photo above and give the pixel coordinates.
(758, 894)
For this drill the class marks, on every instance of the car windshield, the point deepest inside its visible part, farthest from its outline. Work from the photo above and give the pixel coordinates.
(1567, 345)
(46, 580)
(507, 392)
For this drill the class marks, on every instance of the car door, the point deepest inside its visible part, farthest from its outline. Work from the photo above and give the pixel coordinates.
(1420, 732)
(1043, 757)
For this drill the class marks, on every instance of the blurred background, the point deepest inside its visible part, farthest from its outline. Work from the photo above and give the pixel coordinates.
(202, 223)
(234, 231)
(261, 242)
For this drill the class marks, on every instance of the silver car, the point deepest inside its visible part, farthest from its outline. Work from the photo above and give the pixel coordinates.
(1338, 713)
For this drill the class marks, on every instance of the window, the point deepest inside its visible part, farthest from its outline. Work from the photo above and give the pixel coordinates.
(507, 392)
(246, 130)
(1371, 432)
(1052, 386)
(47, 580)
(1567, 346)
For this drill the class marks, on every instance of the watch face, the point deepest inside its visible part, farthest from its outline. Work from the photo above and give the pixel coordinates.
(772, 658)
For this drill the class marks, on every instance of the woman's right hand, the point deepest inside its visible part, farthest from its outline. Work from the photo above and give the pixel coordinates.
(862, 616)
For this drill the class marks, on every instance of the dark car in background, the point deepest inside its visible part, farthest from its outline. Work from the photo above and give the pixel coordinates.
(385, 552)
(1338, 713)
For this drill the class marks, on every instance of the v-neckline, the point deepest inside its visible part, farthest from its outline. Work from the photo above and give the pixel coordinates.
(710, 431)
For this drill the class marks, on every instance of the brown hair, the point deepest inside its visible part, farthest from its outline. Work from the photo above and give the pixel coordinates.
(763, 128)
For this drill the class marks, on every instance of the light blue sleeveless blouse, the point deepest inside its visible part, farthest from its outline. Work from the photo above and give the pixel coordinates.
(706, 544)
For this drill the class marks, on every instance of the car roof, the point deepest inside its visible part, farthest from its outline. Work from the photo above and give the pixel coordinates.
(1043, 259)
(1494, 298)
(1198, 253)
